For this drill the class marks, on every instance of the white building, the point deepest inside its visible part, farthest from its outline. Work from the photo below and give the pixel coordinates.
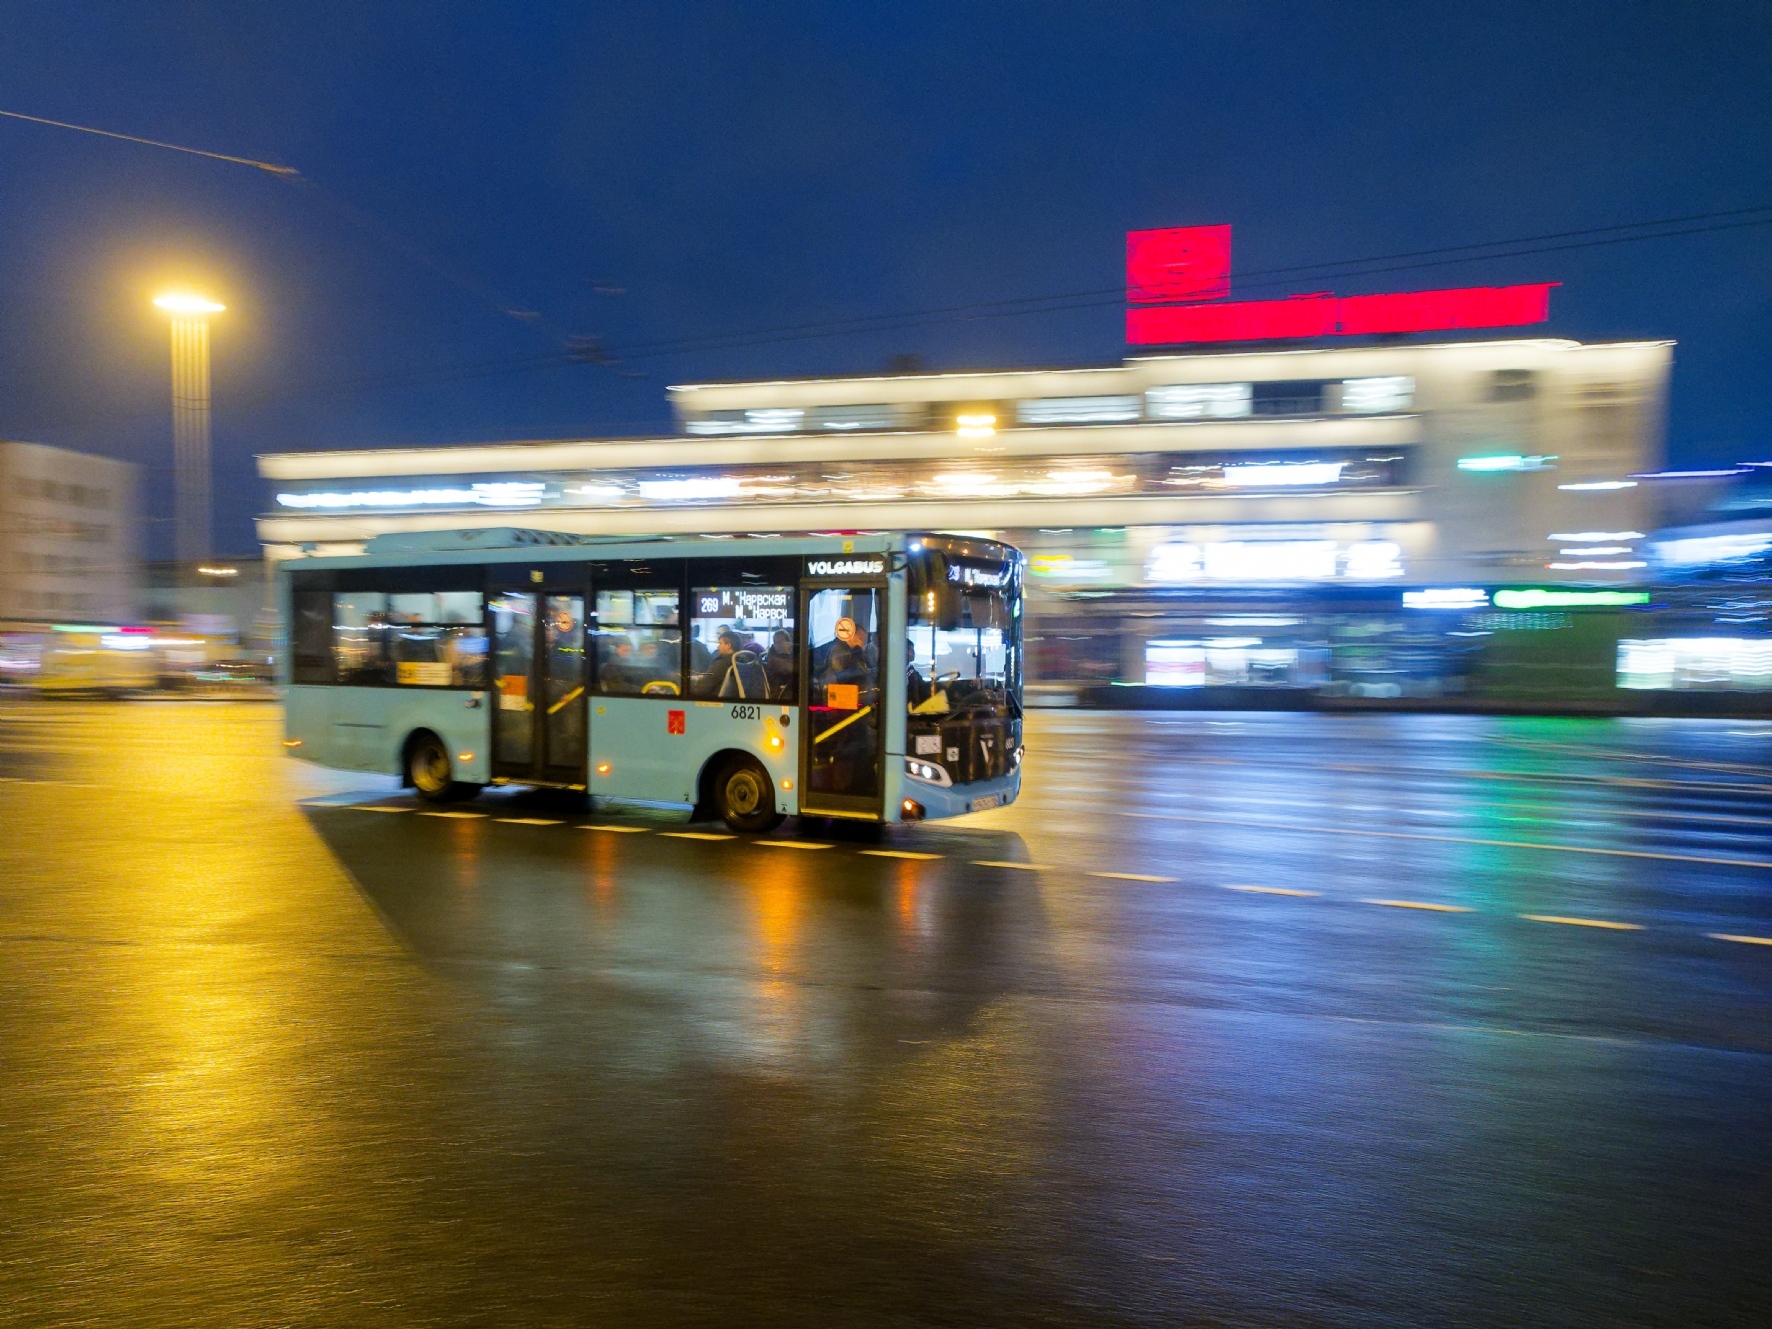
(1399, 463)
(69, 545)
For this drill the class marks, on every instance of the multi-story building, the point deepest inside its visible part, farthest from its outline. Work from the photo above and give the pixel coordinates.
(1169, 504)
(68, 536)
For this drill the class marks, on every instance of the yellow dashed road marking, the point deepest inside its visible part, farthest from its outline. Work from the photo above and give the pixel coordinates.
(1741, 937)
(362, 808)
(695, 835)
(1270, 890)
(790, 844)
(618, 830)
(1584, 922)
(897, 853)
(1129, 876)
(528, 821)
(1420, 904)
(459, 816)
(1001, 863)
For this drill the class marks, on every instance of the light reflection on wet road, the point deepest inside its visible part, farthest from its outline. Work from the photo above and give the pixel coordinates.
(1252, 1019)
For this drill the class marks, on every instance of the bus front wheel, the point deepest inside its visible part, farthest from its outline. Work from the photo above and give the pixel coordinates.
(744, 796)
(430, 774)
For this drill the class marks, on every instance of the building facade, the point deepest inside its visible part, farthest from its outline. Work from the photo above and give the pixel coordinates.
(1158, 500)
(69, 538)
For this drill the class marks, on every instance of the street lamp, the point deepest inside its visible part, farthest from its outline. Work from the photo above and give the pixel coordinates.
(190, 421)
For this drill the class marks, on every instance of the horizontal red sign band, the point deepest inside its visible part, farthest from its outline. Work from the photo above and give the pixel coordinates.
(1340, 316)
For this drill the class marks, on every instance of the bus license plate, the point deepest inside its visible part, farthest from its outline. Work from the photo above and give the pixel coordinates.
(988, 801)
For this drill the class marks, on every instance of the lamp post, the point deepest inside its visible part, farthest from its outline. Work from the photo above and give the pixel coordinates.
(190, 422)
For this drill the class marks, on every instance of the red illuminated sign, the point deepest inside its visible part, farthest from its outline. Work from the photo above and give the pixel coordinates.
(1346, 316)
(1168, 271)
(676, 722)
(1178, 263)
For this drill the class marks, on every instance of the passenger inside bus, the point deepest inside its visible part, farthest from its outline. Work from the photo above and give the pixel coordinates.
(778, 664)
(639, 645)
(728, 659)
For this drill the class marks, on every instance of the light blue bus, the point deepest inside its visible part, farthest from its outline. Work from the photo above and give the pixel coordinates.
(874, 677)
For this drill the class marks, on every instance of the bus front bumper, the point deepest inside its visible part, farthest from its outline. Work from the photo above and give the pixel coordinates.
(939, 801)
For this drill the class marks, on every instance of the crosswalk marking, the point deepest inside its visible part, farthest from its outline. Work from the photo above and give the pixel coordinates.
(790, 844)
(1129, 876)
(459, 816)
(1004, 863)
(618, 830)
(1271, 890)
(1420, 904)
(897, 853)
(695, 835)
(1742, 937)
(378, 808)
(529, 821)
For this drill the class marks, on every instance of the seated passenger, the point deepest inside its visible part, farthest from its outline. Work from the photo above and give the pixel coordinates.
(745, 679)
(658, 661)
(778, 664)
(615, 663)
(710, 682)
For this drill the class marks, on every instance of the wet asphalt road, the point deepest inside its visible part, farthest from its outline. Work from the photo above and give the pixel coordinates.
(1231, 1020)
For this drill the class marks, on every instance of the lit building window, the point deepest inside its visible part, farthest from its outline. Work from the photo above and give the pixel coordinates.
(758, 420)
(851, 419)
(1194, 401)
(1371, 396)
(1076, 410)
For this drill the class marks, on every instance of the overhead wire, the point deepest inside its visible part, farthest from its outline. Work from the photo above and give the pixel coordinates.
(287, 172)
(582, 350)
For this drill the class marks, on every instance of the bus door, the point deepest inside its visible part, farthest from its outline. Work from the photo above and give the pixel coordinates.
(843, 739)
(538, 696)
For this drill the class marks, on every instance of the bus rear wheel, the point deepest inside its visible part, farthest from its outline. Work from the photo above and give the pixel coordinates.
(430, 774)
(744, 796)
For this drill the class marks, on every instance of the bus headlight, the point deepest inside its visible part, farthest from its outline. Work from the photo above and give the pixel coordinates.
(928, 772)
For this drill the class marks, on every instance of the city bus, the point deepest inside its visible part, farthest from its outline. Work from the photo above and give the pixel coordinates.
(872, 677)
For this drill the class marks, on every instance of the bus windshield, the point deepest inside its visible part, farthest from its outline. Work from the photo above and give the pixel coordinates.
(963, 634)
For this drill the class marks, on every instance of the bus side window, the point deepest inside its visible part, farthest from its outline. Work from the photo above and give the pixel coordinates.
(310, 637)
(639, 644)
(360, 637)
(742, 643)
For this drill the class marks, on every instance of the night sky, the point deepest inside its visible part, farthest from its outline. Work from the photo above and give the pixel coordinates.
(651, 173)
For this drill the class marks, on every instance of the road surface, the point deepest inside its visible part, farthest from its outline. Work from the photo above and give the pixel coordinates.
(1271, 1020)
